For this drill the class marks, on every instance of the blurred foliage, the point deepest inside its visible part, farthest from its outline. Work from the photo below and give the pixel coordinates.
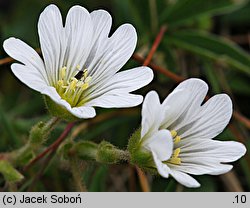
(206, 39)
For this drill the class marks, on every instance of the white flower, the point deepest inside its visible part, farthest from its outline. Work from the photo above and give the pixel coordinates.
(80, 62)
(179, 132)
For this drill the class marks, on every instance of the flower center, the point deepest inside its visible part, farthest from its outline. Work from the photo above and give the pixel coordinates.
(175, 159)
(72, 90)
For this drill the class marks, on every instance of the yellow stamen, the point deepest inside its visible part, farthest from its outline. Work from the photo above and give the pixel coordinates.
(177, 152)
(85, 86)
(173, 133)
(72, 85)
(175, 136)
(175, 157)
(60, 83)
(175, 161)
(177, 139)
(85, 73)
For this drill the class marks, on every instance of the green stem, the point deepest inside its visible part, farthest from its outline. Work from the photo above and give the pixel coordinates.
(77, 175)
(104, 152)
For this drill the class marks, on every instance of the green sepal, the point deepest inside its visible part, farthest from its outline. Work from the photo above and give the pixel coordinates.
(58, 110)
(138, 155)
(134, 141)
(9, 172)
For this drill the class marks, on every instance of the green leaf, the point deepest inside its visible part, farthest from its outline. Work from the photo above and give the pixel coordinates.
(211, 46)
(184, 10)
(9, 172)
(99, 179)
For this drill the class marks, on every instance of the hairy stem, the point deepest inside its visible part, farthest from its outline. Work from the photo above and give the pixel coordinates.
(77, 175)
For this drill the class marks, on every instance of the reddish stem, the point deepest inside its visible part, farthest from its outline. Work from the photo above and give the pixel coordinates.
(162, 70)
(155, 45)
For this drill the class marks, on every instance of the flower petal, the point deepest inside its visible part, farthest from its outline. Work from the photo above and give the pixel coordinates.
(28, 76)
(116, 100)
(80, 112)
(102, 21)
(116, 52)
(201, 156)
(33, 64)
(161, 143)
(152, 114)
(115, 93)
(184, 102)
(222, 151)
(201, 166)
(175, 105)
(79, 31)
(83, 112)
(213, 118)
(184, 179)
(162, 168)
(122, 82)
(52, 40)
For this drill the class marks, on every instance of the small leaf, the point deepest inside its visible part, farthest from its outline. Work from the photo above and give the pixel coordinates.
(213, 47)
(184, 10)
(9, 172)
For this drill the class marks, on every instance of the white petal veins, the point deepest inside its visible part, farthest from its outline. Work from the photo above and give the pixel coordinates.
(189, 102)
(29, 76)
(213, 118)
(119, 48)
(50, 30)
(22, 52)
(79, 30)
(102, 21)
(122, 82)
